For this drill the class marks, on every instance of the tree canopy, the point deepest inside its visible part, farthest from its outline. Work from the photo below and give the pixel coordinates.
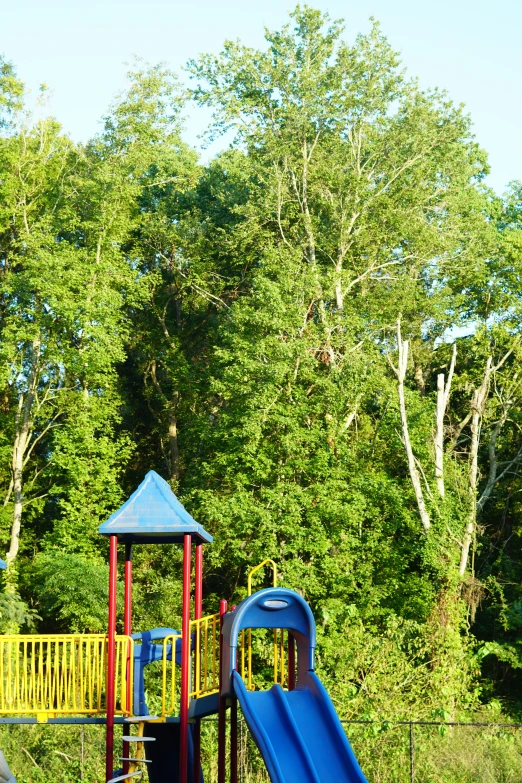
(314, 337)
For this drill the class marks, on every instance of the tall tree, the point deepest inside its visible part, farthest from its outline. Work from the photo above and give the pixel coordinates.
(36, 161)
(11, 93)
(366, 206)
(66, 286)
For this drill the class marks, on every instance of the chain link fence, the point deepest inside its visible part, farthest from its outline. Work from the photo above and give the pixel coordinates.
(426, 751)
(415, 752)
(388, 751)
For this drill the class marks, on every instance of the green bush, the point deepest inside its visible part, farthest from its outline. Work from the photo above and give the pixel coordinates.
(71, 591)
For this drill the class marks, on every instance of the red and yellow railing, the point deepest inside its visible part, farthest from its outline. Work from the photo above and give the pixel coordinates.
(65, 674)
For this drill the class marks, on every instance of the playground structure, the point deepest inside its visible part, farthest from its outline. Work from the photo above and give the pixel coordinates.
(205, 668)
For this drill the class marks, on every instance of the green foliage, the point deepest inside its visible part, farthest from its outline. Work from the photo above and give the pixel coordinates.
(71, 592)
(11, 93)
(67, 753)
(15, 613)
(233, 326)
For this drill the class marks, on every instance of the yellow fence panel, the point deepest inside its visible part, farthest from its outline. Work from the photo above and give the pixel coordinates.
(271, 651)
(205, 634)
(61, 674)
(245, 652)
(170, 684)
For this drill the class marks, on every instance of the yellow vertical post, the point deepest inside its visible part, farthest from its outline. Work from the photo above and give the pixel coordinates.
(249, 584)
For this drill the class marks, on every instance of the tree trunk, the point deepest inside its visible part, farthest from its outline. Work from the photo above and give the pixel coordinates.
(443, 393)
(478, 404)
(400, 372)
(23, 431)
(17, 470)
(173, 439)
(418, 374)
(339, 296)
(439, 436)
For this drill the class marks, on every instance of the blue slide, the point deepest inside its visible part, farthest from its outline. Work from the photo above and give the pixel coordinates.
(298, 732)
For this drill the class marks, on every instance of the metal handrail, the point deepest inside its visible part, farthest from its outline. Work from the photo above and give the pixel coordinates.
(61, 674)
(168, 691)
(279, 650)
(205, 633)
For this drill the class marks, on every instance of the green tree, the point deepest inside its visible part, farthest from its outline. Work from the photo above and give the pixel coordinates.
(11, 93)
(365, 205)
(66, 287)
(35, 298)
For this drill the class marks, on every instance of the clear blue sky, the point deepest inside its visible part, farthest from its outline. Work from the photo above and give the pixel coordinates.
(471, 48)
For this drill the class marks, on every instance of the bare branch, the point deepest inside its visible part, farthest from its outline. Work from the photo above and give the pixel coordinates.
(493, 478)
(458, 431)
(478, 406)
(50, 425)
(9, 491)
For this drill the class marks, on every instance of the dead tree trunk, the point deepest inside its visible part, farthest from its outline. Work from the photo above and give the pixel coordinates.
(173, 438)
(478, 406)
(400, 372)
(23, 432)
(443, 393)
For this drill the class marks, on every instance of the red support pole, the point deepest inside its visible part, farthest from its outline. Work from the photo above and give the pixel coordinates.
(222, 715)
(198, 614)
(198, 609)
(127, 630)
(233, 735)
(185, 661)
(291, 662)
(127, 616)
(233, 741)
(111, 657)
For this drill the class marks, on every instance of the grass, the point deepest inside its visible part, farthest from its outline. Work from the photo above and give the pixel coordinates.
(452, 755)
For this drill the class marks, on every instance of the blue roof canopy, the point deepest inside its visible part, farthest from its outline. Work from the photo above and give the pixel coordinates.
(153, 515)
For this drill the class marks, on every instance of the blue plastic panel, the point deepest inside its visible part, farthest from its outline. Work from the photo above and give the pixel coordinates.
(275, 607)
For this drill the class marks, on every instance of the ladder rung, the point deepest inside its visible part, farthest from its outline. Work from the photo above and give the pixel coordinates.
(140, 718)
(135, 738)
(137, 761)
(126, 777)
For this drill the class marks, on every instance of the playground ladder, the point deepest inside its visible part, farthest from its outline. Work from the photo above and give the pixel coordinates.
(139, 739)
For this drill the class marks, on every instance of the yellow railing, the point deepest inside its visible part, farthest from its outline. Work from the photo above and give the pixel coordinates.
(278, 643)
(206, 655)
(170, 687)
(59, 674)
(279, 655)
(205, 635)
(258, 568)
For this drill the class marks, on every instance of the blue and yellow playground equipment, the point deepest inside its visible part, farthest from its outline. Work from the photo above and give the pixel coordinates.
(204, 669)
